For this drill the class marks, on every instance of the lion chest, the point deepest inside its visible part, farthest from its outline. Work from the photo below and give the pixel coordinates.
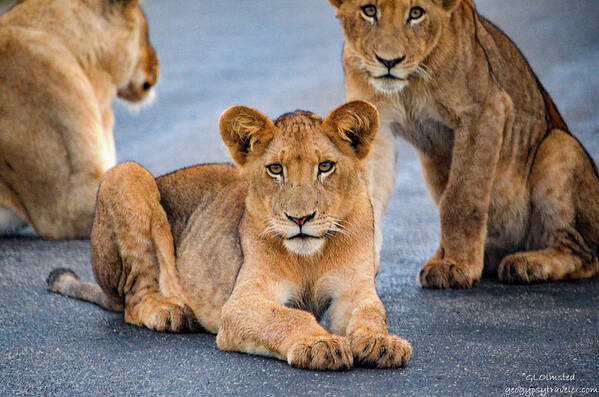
(427, 136)
(420, 125)
(306, 298)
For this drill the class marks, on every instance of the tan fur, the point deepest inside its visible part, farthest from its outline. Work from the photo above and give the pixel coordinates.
(62, 62)
(239, 266)
(498, 159)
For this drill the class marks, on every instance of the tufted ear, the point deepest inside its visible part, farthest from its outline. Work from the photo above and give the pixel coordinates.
(246, 132)
(352, 127)
(336, 3)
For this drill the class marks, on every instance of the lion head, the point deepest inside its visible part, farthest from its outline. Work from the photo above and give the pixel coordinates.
(393, 37)
(143, 73)
(109, 35)
(303, 172)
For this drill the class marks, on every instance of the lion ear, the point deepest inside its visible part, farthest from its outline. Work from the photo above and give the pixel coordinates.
(336, 3)
(124, 3)
(450, 5)
(246, 132)
(352, 127)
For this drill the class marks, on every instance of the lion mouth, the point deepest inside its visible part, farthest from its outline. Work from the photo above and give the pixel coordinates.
(303, 236)
(390, 77)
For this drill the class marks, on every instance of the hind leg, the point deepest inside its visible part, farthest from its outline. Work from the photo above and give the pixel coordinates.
(563, 234)
(551, 264)
(133, 251)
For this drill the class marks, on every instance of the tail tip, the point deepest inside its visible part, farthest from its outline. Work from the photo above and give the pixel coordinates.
(58, 275)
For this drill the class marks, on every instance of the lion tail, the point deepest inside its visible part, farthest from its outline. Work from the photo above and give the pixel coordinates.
(66, 282)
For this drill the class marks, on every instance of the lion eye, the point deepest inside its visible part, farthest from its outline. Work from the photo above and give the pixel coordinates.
(416, 13)
(274, 169)
(325, 167)
(369, 11)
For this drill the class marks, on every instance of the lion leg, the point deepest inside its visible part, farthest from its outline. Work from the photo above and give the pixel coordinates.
(465, 202)
(435, 176)
(381, 165)
(133, 251)
(358, 313)
(564, 231)
(551, 264)
(255, 321)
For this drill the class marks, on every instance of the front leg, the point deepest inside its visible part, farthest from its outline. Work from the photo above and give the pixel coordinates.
(465, 202)
(255, 321)
(381, 164)
(358, 313)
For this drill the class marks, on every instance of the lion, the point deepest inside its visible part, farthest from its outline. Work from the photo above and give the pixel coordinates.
(518, 195)
(62, 63)
(259, 253)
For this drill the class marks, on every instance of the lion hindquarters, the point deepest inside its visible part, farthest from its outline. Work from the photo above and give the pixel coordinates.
(133, 251)
(565, 220)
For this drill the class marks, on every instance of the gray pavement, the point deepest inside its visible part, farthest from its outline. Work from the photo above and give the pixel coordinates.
(278, 56)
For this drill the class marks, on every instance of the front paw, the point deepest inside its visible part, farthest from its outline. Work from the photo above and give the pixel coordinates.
(380, 351)
(325, 353)
(445, 274)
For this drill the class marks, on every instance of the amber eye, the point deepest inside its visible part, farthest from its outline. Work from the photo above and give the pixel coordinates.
(416, 13)
(325, 167)
(369, 11)
(274, 169)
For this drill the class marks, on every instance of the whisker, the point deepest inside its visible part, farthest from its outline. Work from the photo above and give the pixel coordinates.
(270, 229)
(424, 71)
(342, 222)
(342, 227)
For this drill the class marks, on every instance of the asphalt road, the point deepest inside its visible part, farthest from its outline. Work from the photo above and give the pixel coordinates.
(278, 56)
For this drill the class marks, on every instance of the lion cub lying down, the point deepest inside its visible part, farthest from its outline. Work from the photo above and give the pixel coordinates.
(258, 247)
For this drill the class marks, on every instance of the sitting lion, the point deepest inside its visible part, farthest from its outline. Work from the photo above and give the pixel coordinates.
(244, 250)
(517, 193)
(62, 62)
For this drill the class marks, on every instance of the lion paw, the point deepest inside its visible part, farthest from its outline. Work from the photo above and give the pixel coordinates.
(167, 315)
(327, 353)
(444, 274)
(522, 269)
(382, 351)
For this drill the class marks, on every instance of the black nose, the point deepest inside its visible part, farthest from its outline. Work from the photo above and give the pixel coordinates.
(302, 220)
(147, 85)
(390, 63)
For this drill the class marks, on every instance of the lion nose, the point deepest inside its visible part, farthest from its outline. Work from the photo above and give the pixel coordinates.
(301, 220)
(390, 63)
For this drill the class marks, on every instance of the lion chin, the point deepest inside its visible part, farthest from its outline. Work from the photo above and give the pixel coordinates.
(141, 102)
(304, 246)
(388, 86)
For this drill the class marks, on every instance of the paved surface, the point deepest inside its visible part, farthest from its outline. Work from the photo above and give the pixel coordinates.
(278, 56)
